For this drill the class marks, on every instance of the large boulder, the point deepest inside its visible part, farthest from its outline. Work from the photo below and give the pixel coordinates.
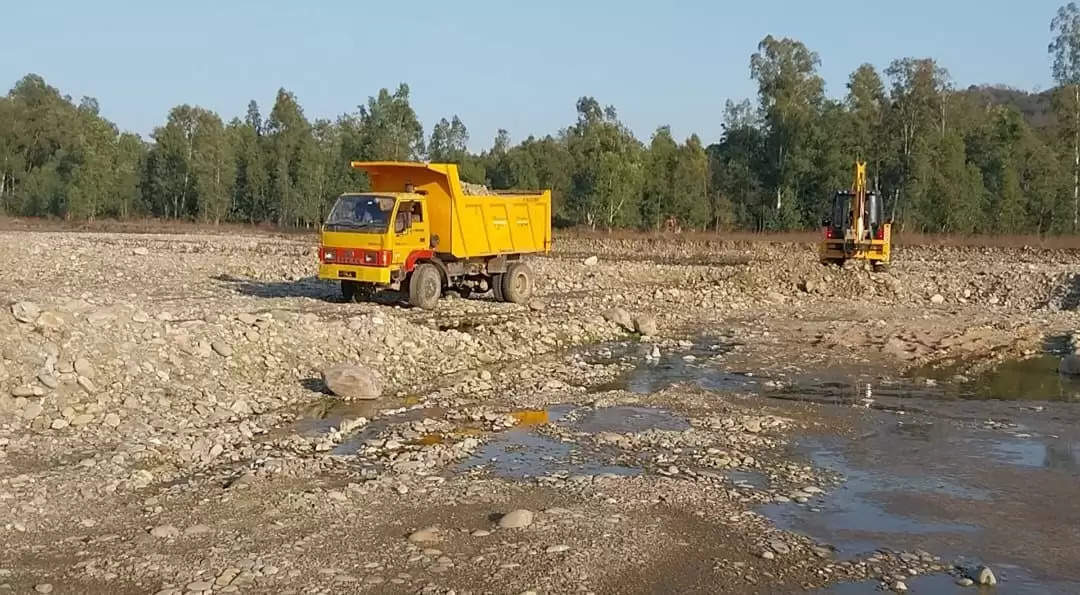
(25, 311)
(645, 324)
(620, 317)
(350, 381)
(1070, 365)
(516, 519)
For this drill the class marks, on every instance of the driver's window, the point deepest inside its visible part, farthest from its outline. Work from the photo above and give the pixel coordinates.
(401, 222)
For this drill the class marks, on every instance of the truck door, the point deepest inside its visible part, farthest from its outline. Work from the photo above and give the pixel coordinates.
(411, 228)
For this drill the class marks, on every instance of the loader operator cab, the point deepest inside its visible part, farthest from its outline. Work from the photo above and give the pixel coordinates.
(842, 218)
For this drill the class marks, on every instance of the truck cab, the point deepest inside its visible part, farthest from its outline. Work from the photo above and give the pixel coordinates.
(368, 238)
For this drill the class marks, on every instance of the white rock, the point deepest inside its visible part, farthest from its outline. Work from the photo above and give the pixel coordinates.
(352, 382)
(222, 348)
(165, 531)
(592, 261)
(83, 367)
(516, 519)
(196, 530)
(49, 320)
(620, 317)
(645, 324)
(1070, 365)
(425, 535)
(25, 311)
(984, 576)
(937, 299)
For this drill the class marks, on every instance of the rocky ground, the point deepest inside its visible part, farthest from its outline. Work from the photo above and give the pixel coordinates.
(165, 426)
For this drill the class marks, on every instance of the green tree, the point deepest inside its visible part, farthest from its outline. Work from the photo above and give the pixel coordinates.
(1065, 50)
(918, 112)
(170, 177)
(449, 142)
(289, 140)
(388, 127)
(867, 104)
(690, 182)
(213, 167)
(606, 181)
(130, 162)
(658, 197)
(737, 165)
(791, 93)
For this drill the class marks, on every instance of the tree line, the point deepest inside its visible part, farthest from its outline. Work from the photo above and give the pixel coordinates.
(946, 160)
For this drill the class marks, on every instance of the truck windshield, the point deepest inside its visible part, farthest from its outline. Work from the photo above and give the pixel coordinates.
(361, 211)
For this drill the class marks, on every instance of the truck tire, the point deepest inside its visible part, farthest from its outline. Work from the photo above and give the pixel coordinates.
(496, 287)
(517, 283)
(425, 286)
(356, 292)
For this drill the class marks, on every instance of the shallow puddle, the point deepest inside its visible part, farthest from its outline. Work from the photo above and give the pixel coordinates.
(986, 469)
(521, 452)
(959, 491)
(1033, 379)
(628, 419)
(749, 479)
(325, 415)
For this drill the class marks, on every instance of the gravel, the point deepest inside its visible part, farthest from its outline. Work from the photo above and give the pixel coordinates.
(180, 382)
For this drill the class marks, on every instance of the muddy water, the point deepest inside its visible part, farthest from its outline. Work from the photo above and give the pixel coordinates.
(979, 470)
(982, 470)
(1001, 494)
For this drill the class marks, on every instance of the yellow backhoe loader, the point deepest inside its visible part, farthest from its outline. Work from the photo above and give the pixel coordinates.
(856, 228)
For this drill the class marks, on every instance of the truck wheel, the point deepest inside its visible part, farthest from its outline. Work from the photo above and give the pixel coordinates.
(497, 287)
(356, 292)
(517, 283)
(425, 286)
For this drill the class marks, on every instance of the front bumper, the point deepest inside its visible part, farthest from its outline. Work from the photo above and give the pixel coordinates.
(361, 274)
(873, 250)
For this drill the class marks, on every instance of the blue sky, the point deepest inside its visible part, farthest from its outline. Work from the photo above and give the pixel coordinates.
(514, 65)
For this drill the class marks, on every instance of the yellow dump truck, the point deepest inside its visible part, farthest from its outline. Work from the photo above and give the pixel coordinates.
(418, 231)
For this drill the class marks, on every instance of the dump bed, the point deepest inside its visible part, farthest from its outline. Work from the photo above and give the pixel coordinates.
(468, 226)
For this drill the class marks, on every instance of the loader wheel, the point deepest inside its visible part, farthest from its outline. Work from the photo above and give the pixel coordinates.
(425, 286)
(497, 287)
(517, 283)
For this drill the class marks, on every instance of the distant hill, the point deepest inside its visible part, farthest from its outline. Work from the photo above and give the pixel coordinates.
(1037, 108)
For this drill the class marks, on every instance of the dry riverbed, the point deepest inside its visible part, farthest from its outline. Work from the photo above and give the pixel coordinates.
(164, 427)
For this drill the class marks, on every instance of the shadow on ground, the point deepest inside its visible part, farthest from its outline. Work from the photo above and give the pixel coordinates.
(316, 385)
(308, 287)
(1067, 295)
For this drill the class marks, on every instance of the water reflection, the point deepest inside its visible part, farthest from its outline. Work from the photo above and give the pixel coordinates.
(1055, 454)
